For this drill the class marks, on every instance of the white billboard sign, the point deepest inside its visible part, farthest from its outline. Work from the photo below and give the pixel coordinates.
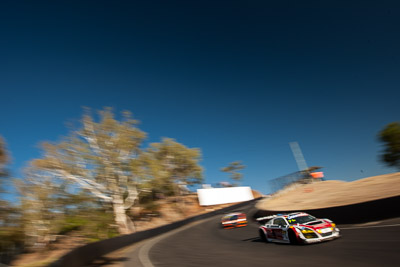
(215, 196)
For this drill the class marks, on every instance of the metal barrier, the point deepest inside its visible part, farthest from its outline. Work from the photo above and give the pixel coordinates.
(286, 180)
(369, 211)
(302, 177)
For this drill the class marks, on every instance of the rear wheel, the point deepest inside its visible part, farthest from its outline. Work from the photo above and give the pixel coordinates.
(262, 236)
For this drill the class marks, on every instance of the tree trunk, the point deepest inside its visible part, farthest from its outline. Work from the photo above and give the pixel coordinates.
(125, 224)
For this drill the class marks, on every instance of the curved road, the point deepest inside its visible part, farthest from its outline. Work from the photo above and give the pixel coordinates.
(207, 244)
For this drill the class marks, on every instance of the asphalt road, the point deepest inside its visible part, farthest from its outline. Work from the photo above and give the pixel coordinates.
(207, 244)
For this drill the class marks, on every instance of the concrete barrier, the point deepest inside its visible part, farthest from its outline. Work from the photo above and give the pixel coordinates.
(86, 254)
(374, 210)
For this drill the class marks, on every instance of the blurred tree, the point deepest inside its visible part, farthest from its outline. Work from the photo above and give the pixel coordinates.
(41, 216)
(233, 169)
(4, 158)
(11, 236)
(172, 166)
(101, 158)
(5, 208)
(48, 209)
(390, 136)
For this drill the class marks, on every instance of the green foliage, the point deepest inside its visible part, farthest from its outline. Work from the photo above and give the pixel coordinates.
(4, 160)
(390, 136)
(94, 225)
(152, 207)
(73, 223)
(11, 234)
(100, 225)
(233, 169)
(170, 164)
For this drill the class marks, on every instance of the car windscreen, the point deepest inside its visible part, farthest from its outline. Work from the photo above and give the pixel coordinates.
(300, 219)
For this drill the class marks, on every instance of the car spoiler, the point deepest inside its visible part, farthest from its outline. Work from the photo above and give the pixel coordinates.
(265, 218)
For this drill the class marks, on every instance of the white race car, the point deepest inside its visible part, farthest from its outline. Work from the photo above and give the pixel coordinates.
(297, 228)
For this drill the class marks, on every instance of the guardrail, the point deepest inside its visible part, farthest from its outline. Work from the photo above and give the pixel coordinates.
(86, 254)
(374, 210)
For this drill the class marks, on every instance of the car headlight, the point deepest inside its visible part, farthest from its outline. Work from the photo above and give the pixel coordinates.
(306, 231)
(325, 230)
(333, 225)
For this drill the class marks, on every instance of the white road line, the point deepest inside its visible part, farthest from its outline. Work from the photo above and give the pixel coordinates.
(366, 227)
(145, 249)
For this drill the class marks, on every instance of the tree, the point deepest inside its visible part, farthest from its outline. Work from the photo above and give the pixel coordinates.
(11, 236)
(101, 157)
(233, 169)
(48, 208)
(172, 165)
(390, 136)
(4, 158)
(40, 206)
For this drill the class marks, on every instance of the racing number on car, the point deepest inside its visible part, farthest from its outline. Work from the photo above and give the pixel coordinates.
(275, 233)
(278, 233)
(270, 233)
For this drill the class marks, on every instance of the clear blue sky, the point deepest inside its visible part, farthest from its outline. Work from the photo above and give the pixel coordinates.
(237, 79)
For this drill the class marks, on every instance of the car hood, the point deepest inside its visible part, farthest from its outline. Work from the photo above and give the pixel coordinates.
(317, 224)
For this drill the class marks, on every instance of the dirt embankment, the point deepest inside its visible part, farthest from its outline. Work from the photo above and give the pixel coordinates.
(333, 193)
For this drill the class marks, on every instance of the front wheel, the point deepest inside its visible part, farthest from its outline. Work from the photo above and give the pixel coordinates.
(293, 238)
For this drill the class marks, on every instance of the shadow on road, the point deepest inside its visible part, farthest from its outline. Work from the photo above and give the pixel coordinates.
(254, 239)
(104, 261)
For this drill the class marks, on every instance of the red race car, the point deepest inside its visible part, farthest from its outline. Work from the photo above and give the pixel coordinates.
(297, 228)
(232, 220)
